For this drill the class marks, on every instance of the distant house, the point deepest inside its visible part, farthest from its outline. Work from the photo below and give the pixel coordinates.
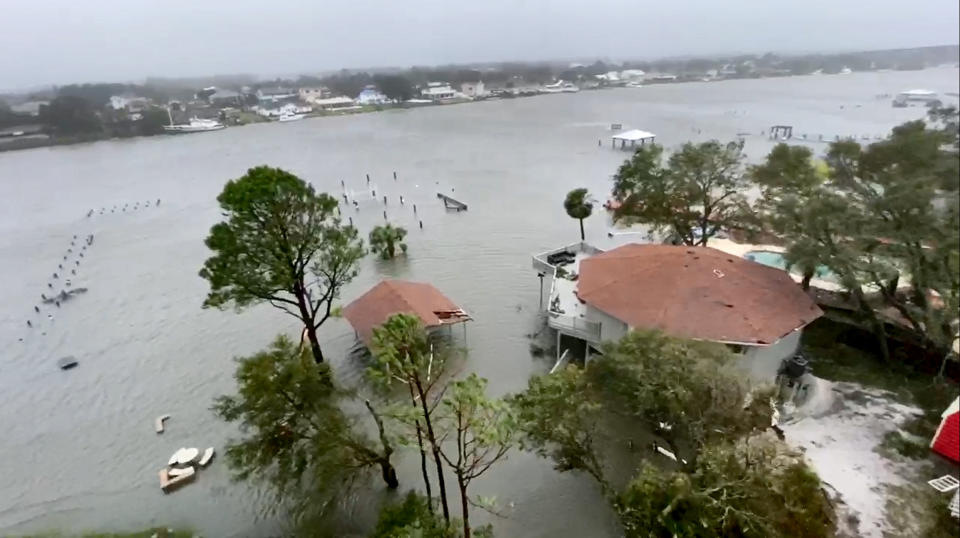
(332, 103)
(128, 102)
(274, 94)
(473, 89)
(224, 98)
(438, 91)
(370, 95)
(698, 293)
(632, 74)
(286, 109)
(311, 94)
(31, 108)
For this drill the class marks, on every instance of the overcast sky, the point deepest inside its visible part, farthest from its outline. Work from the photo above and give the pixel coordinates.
(62, 41)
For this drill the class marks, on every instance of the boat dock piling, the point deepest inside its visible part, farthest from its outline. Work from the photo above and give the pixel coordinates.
(452, 203)
(394, 175)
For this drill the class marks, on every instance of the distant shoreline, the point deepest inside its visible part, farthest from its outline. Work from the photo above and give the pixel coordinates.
(34, 142)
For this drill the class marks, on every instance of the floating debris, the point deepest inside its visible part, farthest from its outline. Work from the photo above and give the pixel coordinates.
(169, 483)
(158, 423)
(67, 362)
(207, 456)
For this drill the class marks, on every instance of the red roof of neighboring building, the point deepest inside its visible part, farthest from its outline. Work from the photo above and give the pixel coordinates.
(391, 297)
(946, 442)
(695, 292)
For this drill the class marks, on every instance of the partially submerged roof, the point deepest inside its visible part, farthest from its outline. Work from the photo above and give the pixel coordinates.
(633, 134)
(695, 292)
(391, 297)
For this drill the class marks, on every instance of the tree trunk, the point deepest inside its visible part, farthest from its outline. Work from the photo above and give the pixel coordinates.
(423, 451)
(465, 506)
(314, 344)
(387, 471)
(876, 324)
(805, 283)
(435, 448)
(583, 236)
(300, 291)
(389, 474)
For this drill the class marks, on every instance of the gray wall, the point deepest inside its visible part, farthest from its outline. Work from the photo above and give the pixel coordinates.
(612, 329)
(762, 362)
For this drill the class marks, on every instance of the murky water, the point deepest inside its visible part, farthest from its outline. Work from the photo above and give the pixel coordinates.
(77, 448)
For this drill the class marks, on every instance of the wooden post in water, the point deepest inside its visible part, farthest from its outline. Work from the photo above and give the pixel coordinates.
(394, 175)
(384, 215)
(421, 224)
(414, 209)
(384, 199)
(368, 179)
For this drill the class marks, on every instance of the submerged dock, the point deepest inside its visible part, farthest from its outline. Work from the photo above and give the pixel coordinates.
(452, 203)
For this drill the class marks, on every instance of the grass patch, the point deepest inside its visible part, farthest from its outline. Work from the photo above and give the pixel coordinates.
(917, 510)
(840, 352)
(894, 442)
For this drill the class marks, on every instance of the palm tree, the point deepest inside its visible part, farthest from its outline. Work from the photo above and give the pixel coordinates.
(385, 239)
(579, 206)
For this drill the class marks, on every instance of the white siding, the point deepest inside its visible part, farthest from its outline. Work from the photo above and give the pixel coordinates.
(611, 328)
(763, 362)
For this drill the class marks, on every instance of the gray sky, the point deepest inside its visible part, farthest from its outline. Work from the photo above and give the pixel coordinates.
(62, 41)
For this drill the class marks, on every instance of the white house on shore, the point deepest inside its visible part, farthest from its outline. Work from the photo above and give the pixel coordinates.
(689, 292)
(473, 89)
(332, 103)
(438, 91)
(370, 95)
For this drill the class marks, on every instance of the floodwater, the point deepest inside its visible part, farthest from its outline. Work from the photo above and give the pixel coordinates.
(78, 447)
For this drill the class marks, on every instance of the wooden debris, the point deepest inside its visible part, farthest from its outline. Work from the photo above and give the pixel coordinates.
(158, 423)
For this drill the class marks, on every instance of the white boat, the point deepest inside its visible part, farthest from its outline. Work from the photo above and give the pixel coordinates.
(291, 117)
(560, 87)
(196, 125)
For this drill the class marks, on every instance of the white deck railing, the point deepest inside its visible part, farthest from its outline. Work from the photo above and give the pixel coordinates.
(581, 328)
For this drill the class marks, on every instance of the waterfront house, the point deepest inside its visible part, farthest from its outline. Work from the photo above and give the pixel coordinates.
(332, 103)
(311, 94)
(128, 102)
(689, 292)
(224, 98)
(30, 108)
(438, 91)
(270, 95)
(287, 109)
(390, 297)
(370, 95)
(473, 89)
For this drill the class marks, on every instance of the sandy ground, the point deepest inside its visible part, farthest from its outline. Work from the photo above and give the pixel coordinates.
(840, 429)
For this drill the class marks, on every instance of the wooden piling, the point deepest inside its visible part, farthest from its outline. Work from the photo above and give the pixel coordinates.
(421, 224)
(394, 175)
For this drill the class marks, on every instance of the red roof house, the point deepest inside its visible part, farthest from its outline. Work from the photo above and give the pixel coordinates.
(390, 297)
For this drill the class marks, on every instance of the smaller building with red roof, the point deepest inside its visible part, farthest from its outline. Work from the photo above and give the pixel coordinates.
(390, 297)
